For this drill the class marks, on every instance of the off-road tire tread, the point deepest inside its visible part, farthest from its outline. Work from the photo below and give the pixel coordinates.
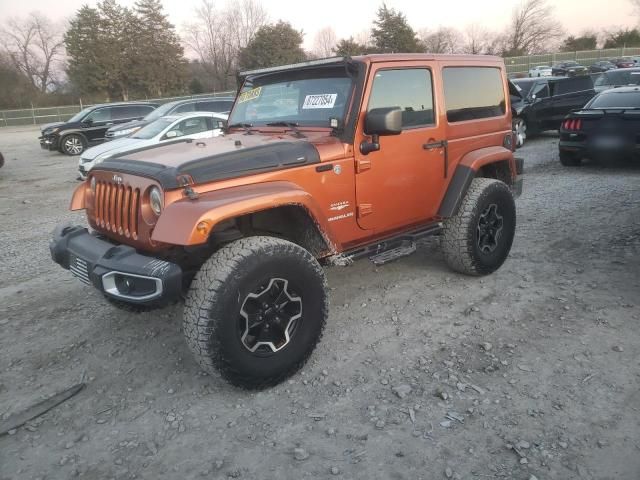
(457, 246)
(200, 329)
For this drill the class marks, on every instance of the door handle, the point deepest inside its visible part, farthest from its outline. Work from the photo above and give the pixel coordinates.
(431, 144)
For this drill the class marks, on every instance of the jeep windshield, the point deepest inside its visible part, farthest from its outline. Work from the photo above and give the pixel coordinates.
(306, 98)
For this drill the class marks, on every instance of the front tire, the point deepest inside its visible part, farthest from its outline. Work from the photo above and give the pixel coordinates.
(256, 310)
(520, 131)
(72, 144)
(477, 240)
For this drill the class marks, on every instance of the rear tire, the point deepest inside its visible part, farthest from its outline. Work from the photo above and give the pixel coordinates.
(477, 240)
(256, 310)
(569, 159)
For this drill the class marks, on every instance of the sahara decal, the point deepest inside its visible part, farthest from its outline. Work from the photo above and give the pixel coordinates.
(337, 206)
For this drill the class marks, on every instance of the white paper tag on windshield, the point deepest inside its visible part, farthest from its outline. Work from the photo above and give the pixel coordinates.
(323, 100)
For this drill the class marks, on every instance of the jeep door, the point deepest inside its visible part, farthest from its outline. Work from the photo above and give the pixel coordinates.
(401, 183)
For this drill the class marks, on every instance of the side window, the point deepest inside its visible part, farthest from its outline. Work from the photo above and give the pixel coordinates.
(473, 92)
(410, 89)
(541, 90)
(100, 115)
(139, 111)
(191, 126)
(122, 113)
(187, 107)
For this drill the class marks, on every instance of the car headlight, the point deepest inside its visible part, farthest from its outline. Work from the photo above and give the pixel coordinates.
(128, 131)
(155, 200)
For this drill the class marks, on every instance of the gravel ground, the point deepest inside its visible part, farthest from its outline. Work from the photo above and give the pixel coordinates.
(530, 373)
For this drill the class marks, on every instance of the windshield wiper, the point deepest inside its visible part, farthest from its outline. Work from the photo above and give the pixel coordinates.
(292, 125)
(246, 126)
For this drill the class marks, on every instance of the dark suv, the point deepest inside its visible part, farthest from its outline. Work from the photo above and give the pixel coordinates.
(88, 127)
(543, 102)
(206, 104)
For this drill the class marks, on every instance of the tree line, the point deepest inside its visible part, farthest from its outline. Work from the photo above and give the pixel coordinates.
(112, 52)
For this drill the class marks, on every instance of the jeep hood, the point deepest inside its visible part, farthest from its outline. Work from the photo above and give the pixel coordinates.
(222, 157)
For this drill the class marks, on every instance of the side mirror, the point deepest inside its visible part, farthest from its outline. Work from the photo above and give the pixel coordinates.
(171, 134)
(88, 122)
(221, 124)
(383, 121)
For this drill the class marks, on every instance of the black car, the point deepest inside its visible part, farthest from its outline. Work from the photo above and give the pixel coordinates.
(617, 78)
(607, 127)
(602, 66)
(205, 104)
(568, 69)
(542, 103)
(88, 127)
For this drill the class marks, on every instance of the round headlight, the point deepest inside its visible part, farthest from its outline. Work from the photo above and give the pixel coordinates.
(155, 200)
(93, 184)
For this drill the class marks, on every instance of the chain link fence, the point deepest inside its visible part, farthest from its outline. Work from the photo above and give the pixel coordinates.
(40, 115)
(517, 65)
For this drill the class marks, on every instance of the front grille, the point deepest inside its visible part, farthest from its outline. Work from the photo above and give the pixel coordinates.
(79, 269)
(117, 207)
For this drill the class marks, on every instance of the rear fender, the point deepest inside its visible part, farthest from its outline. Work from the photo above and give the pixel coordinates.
(468, 168)
(190, 222)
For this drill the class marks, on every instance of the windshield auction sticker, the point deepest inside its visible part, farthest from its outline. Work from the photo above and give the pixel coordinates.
(249, 95)
(323, 100)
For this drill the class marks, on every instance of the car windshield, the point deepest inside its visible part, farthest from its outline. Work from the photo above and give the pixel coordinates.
(153, 129)
(80, 115)
(316, 97)
(613, 99)
(161, 111)
(614, 77)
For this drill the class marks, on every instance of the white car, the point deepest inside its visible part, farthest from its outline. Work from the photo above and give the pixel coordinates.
(540, 71)
(193, 125)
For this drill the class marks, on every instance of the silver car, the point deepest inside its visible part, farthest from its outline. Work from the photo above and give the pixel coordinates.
(192, 125)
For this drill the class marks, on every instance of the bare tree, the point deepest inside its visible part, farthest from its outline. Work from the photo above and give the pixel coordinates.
(34, 45)
(218, 35)
(532, 28)
(442, 40)
(478, 40)
(324, 43)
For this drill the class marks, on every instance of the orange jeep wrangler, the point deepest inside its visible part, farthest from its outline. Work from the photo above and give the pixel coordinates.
(322, 162)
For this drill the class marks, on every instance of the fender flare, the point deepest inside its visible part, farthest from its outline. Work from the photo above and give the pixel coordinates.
(466, 171)
(179, 222)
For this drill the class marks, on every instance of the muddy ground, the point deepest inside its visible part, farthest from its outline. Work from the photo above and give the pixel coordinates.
(532, 372)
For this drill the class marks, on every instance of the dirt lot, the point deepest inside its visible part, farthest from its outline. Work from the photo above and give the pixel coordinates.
(532, 372)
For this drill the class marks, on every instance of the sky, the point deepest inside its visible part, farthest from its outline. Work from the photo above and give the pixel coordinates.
(350, 17)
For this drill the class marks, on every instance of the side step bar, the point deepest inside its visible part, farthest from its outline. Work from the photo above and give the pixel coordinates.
(392, 248)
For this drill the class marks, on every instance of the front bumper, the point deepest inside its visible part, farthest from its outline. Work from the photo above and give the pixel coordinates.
(48, 142)
(118, 271)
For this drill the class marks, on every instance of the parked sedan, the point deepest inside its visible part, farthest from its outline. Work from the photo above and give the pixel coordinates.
(624, 62)
(602, 66)
(182, 127)
(568, 69)
(540, 71)
(89, 126)
(202, 104)
(606, 128)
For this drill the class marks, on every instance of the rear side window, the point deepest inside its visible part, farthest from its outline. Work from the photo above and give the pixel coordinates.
(617, 100)
(571, 85)
(100, 115)
(409, 89)
(473, 92)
